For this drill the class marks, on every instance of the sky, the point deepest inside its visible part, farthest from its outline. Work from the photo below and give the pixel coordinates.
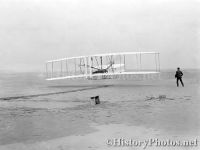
(33, 31)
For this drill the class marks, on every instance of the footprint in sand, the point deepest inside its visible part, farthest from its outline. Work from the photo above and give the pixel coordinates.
(185, 98)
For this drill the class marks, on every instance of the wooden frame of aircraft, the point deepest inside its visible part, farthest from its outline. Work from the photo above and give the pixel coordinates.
(100, 66)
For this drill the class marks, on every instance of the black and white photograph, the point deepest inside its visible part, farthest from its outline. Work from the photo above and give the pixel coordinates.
(99, 75)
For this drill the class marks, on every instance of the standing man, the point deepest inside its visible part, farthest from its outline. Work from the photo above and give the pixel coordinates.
(178, 77)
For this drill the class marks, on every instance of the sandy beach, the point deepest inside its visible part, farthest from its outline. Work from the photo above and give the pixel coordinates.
(64, 118)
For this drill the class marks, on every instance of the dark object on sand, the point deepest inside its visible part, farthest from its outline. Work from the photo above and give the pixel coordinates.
(95, 100)
(162, 97)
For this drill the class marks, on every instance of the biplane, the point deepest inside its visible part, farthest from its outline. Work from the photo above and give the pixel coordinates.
(103, 66)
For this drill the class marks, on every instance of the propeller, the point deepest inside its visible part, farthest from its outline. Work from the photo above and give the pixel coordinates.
(110, 65)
